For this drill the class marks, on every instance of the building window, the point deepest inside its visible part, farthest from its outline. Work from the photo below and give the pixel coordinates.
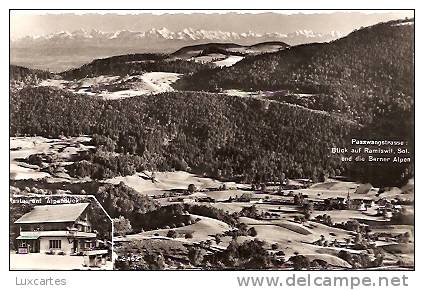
(55, 244)
(89, 245)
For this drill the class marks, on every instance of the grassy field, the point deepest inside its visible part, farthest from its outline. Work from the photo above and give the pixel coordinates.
(166, 181)
(201, 230)
(61, 150)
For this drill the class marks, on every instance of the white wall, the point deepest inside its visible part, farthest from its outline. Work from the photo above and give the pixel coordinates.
(66, 245)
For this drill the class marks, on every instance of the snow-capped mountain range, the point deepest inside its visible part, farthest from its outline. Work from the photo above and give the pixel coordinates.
(64, 50)
(163, 38)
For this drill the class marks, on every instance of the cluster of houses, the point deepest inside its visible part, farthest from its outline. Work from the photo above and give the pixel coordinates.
(382, 205)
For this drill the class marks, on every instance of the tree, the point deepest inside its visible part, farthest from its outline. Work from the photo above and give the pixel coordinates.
(191, 188)
(218, 239)
(298, 199)
(345, 255)
(35, 159)
(252, 232)
(300, 262)
(328, 221)
(121, 226)
(358, 238)
(250, 211)
(155, 261)
(195, 256)
(404, 238)
(308, 209)
(172, 234)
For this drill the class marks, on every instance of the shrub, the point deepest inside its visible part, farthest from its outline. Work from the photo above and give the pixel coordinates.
(345, 255)
(195, 256)
(35, 159)
(172, 234)
(122, 226)
(217, 239)
(314, 264)
(251, 212)
(191, 188)
(280, 253)
(252, 232)
(300, 262)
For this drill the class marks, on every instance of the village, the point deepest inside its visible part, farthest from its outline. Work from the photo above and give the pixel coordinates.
(319, 221)
(360, 219)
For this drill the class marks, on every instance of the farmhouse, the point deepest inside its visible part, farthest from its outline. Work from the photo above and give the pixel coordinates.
(56, 229)
(360, 204)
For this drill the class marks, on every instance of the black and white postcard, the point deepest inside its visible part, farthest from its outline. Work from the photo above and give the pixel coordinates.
(202, 140)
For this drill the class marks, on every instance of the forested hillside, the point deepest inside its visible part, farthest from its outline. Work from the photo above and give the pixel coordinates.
(359, 86)
(178, 62)
(367, 73)
(367, 76)
(214, 134)
(228, 49)
(25, 75)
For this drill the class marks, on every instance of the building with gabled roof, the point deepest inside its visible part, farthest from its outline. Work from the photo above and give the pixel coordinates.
(53, 213)
(56, 229)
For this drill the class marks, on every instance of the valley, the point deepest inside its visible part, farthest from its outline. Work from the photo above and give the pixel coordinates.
(218, 155)
(273, 214)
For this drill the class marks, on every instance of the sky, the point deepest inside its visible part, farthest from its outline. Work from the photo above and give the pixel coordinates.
(35, 23)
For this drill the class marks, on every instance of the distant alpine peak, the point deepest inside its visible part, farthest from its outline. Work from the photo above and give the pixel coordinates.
(162, 34)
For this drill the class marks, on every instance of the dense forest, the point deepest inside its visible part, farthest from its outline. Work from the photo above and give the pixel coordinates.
(206, 48)
(21, 76)
(367, 74)
(218, 135)
(227, 49)
(359, 86)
